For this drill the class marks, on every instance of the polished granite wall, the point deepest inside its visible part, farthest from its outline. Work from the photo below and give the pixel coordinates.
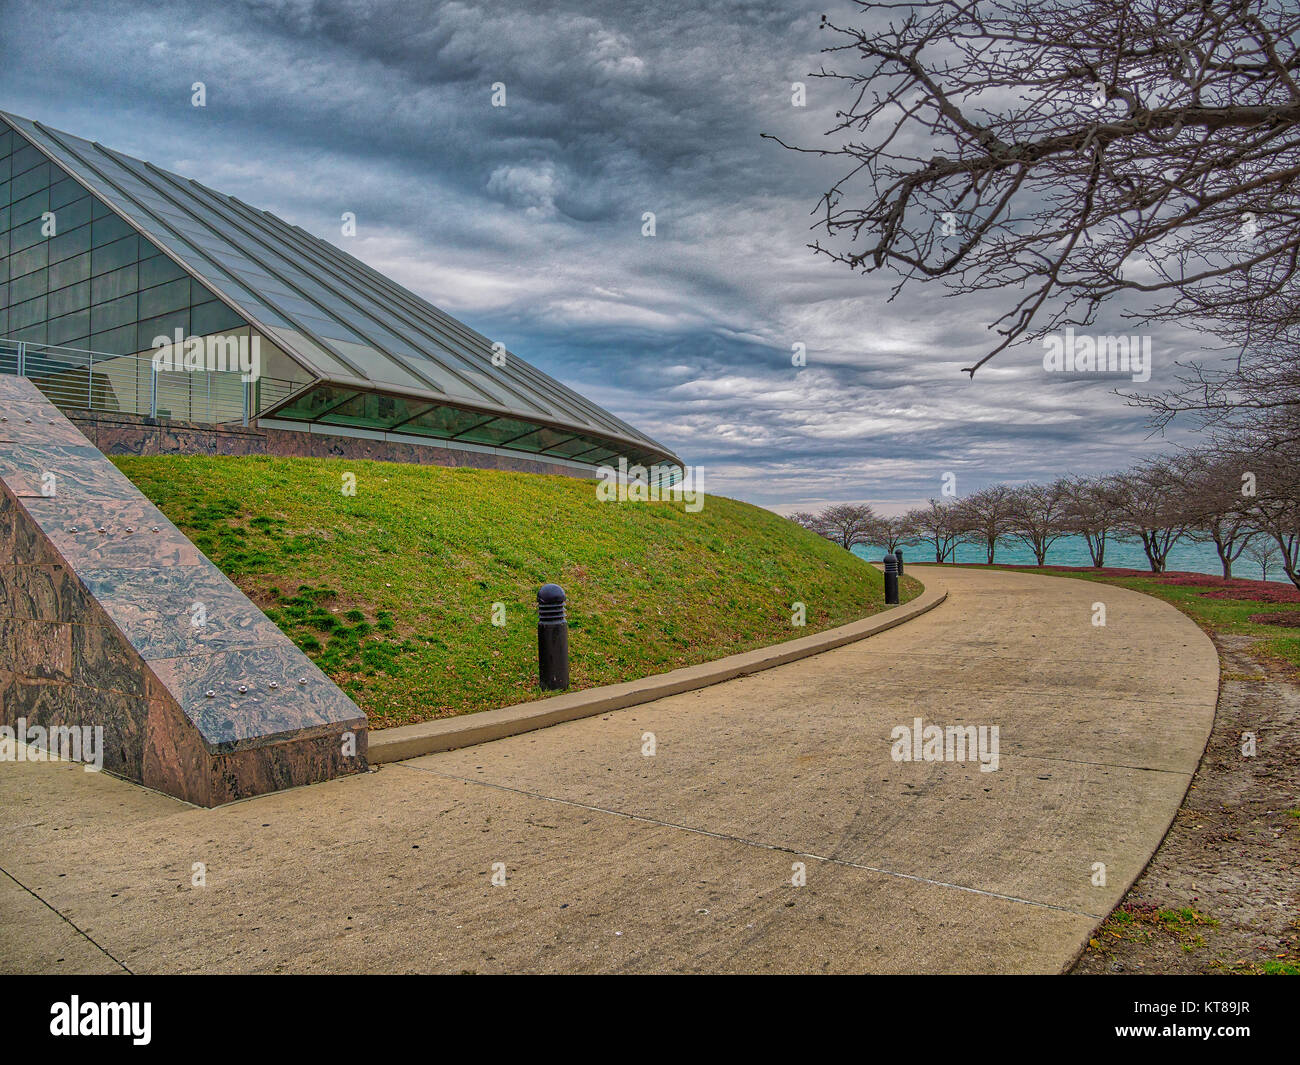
(98, 595)
(131, 434)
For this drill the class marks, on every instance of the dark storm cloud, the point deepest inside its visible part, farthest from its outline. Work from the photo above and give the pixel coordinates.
(525, 220)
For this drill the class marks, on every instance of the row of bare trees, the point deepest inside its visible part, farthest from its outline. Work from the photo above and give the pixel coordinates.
(1244, 502)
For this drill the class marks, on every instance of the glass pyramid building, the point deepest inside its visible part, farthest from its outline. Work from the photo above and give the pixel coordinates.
(101, 253)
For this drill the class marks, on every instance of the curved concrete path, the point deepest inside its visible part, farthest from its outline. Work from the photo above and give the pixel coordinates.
(680, 861)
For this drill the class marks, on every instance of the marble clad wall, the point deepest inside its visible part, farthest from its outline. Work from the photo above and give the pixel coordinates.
(97, 594)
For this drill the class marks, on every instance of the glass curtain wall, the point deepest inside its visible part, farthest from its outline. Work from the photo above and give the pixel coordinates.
(74, 275)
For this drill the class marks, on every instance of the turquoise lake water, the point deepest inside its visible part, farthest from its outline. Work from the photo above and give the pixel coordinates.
(1073, 551)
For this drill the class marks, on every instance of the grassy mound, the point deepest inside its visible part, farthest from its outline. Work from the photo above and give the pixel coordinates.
(392, 591)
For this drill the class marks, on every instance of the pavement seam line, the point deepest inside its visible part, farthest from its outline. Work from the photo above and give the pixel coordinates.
(1103, 765)
(116, 961)
(753, 842)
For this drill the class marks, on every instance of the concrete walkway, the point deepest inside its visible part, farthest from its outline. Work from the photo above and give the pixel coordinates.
(681, 861)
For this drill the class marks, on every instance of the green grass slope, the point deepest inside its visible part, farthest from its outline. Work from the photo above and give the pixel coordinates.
(392, 590)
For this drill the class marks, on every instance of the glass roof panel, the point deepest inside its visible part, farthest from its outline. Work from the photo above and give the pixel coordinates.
(498, 432)
(443, 422)
(312, 404)
(576, 446)
(595, 458)
(373, 410)
(543, 439)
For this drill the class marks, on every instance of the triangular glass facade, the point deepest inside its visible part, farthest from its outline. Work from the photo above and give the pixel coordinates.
(139, 252)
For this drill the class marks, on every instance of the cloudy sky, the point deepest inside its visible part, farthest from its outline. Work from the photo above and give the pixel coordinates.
(526, 220)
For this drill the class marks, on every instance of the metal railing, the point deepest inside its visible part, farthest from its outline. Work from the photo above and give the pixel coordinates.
(75, 379)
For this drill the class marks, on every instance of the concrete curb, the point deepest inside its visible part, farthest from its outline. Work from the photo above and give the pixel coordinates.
(447, 734)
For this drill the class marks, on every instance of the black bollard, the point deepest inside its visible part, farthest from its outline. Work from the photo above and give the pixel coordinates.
(552, 639)
(891, 581)
(898, 554)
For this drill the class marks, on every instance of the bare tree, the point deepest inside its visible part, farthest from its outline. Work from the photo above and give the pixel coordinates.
(1249, 385)
(986, 517)
(1218, 501)
(1068, 151)
(1263, 553)
(1038, 516)
(1089, 512)
(1151, 506)
(936, 524)
(892, 532)
(847, 524)
(1277, 505)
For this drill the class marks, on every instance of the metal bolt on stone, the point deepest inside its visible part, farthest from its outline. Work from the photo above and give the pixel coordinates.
(891, 581)
(552, 638)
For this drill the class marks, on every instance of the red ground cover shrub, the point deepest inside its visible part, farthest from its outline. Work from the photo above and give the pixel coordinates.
(1214, 587)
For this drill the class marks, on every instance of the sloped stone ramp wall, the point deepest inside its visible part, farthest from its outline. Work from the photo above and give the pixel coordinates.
(98, 597)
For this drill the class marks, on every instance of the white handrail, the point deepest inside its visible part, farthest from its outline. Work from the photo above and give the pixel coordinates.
(94, 380)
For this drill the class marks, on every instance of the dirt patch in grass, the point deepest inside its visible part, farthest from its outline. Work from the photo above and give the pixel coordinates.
(1289, 619)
